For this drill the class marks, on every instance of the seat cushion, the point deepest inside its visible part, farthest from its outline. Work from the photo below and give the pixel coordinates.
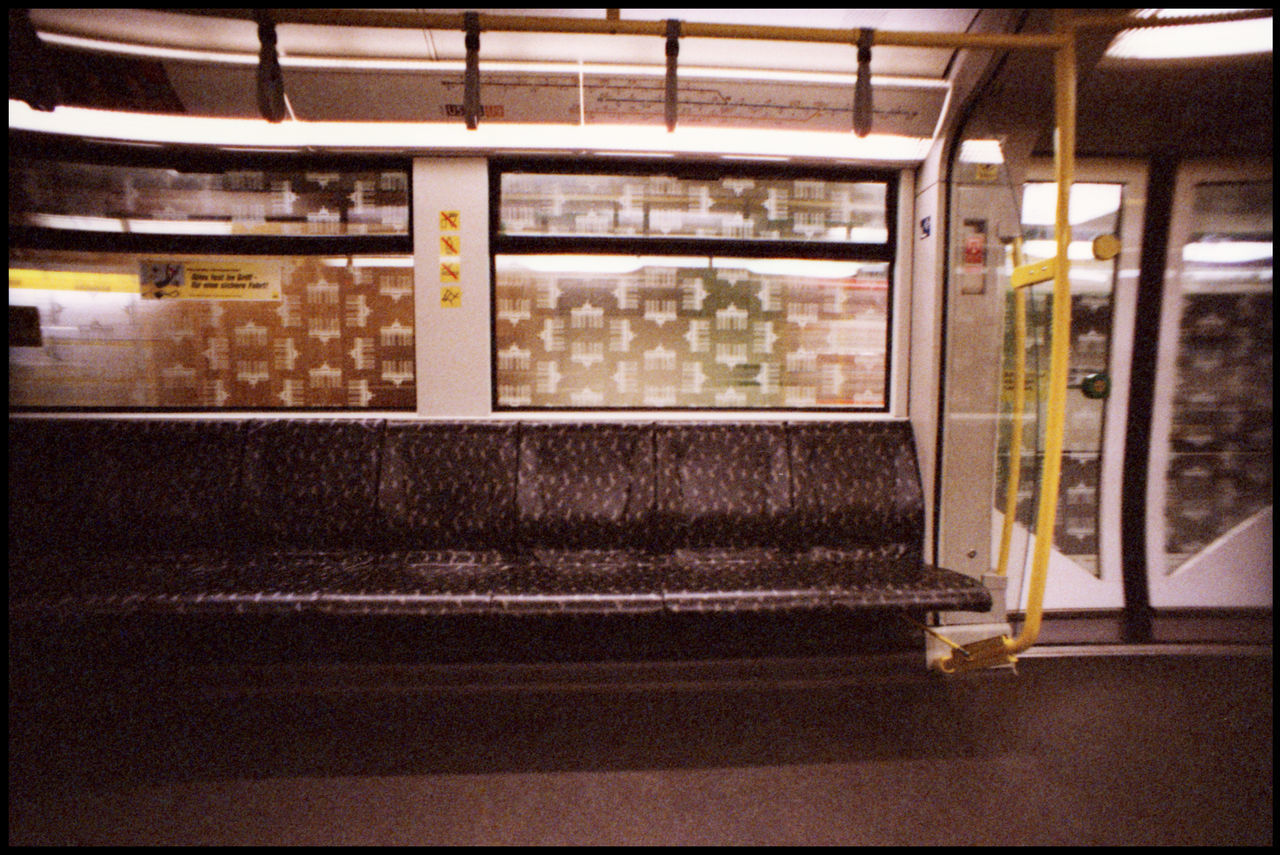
(552, 581)
(771, 579)
(753, 579)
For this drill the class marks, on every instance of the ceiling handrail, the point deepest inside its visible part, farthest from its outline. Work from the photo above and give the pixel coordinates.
(408, 19)
(414, 19)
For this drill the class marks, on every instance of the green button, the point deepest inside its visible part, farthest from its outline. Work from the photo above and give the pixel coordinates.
(1095, 386)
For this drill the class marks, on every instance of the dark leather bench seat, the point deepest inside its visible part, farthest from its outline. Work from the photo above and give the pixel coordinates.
(371, 516)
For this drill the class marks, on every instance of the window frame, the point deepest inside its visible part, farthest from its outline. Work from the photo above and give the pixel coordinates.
(191, 158)
(709, 247)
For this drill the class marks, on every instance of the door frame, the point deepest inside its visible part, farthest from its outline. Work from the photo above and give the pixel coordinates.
(1070, 587)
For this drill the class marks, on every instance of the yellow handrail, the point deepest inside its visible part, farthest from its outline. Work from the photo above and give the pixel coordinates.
(1019, 404)
(614, 25)
(1064, 167)
(1003, 650)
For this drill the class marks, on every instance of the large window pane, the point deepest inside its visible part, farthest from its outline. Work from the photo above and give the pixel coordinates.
(1219, 472)
(338, 335)
(94, 197)
(602, 331)
(735, 208)
(691, 287)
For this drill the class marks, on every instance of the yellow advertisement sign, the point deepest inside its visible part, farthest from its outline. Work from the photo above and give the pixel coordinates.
(73, 280)
(210, 280)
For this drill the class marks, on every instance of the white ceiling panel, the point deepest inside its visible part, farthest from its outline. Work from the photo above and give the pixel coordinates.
(211, 63)
(211, 33)
(564, 97)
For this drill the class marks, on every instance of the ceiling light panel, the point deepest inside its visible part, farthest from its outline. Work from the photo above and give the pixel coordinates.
(1190, 41)
(454, 138)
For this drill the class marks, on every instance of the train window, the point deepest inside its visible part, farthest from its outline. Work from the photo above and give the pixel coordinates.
(223, 284)
(1210, 522)
(128, 330)
(686, 288)
(96, 197)
(665, 206)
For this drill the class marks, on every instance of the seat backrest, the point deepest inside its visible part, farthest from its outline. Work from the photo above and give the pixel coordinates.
(311, 483)
(856, 484)
(104, 484)
(585, 485)
(722, 485)
(448, 485)
(90, 484)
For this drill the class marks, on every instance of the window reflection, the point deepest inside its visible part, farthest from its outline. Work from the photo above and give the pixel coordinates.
(93, 197)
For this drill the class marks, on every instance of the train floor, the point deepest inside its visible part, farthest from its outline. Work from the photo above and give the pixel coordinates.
(1072, 749)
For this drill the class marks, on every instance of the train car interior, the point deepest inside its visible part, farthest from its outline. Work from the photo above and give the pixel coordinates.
(640, 426)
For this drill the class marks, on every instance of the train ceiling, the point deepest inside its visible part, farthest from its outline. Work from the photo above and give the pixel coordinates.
(203, 64)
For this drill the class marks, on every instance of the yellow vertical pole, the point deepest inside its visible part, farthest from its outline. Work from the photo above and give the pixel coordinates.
(1064, 173)
(1019, 404)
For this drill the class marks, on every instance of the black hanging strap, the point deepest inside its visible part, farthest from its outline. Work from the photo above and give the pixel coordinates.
(673, 53)
(270, 79)
(862, 107)
(471, 80)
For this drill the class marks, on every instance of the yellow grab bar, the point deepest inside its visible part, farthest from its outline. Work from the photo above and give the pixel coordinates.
(1064, 164)
(1003, 650)
(1019, 404)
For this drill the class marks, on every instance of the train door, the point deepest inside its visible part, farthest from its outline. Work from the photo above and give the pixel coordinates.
(1209, 502)
(1107, 198)
(993, 204)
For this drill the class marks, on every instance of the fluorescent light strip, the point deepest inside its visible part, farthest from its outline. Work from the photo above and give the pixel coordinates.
(981, 151)
(370, 261)
(616, 265)
(1227, 252)
(1188, 41)
(149, 51)
(1077, 250)
(137, 226)
(439, 137)
(1088, 202)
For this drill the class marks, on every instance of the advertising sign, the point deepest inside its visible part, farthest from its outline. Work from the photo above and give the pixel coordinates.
(210, 280)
